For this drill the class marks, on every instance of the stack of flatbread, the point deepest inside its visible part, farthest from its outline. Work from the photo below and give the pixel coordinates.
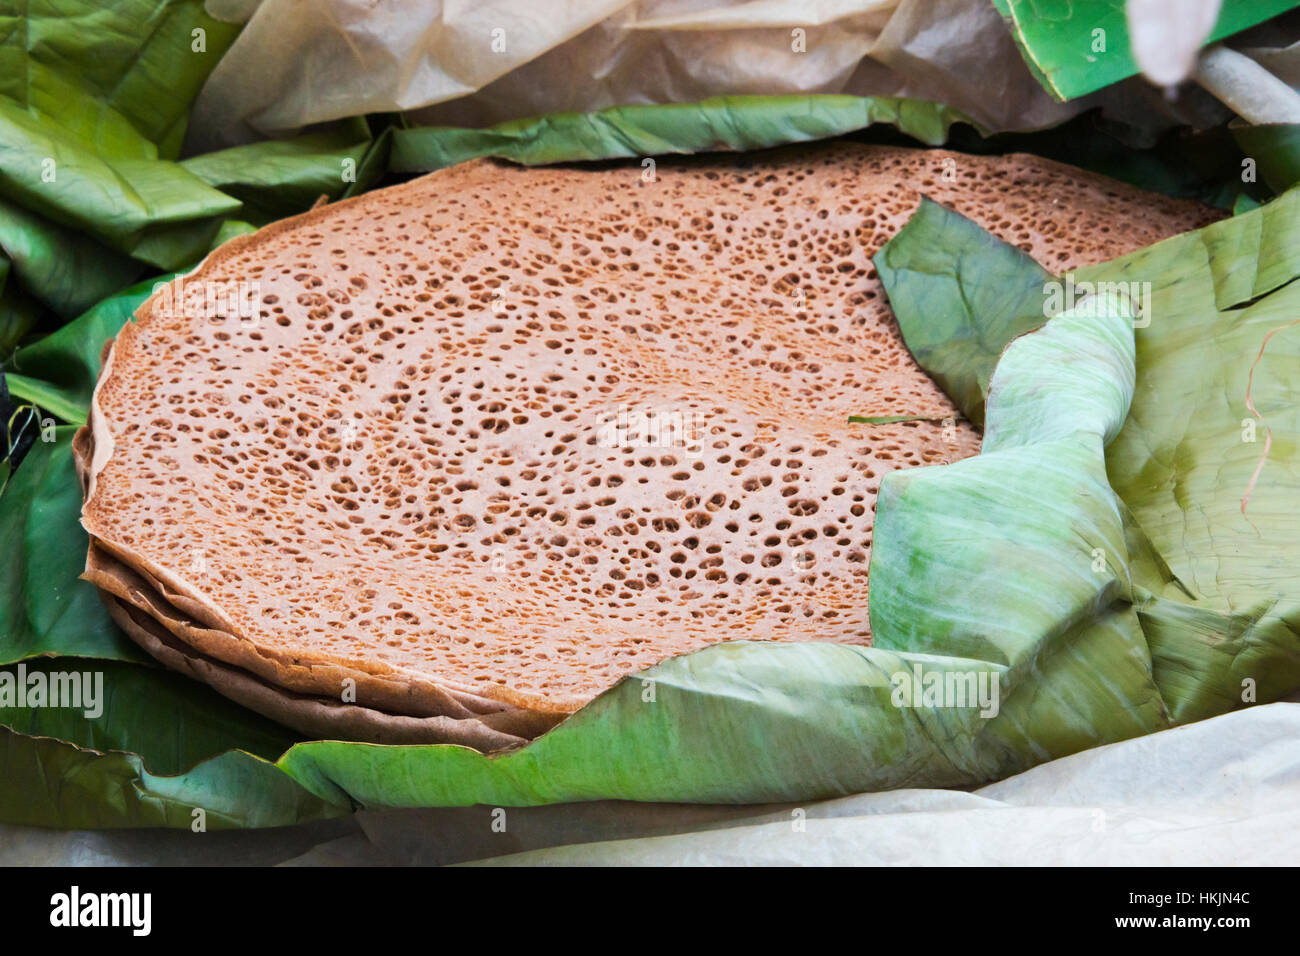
(445, 461)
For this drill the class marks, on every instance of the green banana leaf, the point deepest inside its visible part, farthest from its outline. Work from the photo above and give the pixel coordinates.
(94, 100)
(59, 371)
(151, 209)
(1203, 165)
(119, 75)
(374, 163)
(19, 312)
(231, 228)
(123, 716)
(970, 316)
(1244, 203)
(1207, 486)
(1275, 147)
(720, 123)
(45, 396)
(279, 178)
(64, 270)
(45, 609)
(1209, 461)
(1059, 38)
(81, 226)
(51, 783)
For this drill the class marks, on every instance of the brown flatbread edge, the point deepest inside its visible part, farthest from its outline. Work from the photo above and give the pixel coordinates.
(140, 606)
(209, 633)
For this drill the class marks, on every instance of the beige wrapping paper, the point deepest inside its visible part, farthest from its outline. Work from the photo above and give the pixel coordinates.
(300, 62)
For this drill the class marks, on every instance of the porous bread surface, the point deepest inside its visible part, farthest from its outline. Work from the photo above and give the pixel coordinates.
(423, 460)
(410, 713)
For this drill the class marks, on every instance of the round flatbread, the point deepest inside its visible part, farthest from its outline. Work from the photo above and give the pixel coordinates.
(466, 451)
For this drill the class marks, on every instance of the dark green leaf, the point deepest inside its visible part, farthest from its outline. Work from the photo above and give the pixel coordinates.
(59, 372)
(965, 294)
(889, 419)
(279, 178)
(153, 210)
(19, 312)
(117, 708)
(373, 165)
(120, 76)
(1205, 165)
(49, 783)
(44, 607)
(1275, 148)
(721, 123)
(66, 271)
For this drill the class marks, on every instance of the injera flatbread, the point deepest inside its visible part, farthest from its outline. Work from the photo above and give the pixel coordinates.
(492, 439)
